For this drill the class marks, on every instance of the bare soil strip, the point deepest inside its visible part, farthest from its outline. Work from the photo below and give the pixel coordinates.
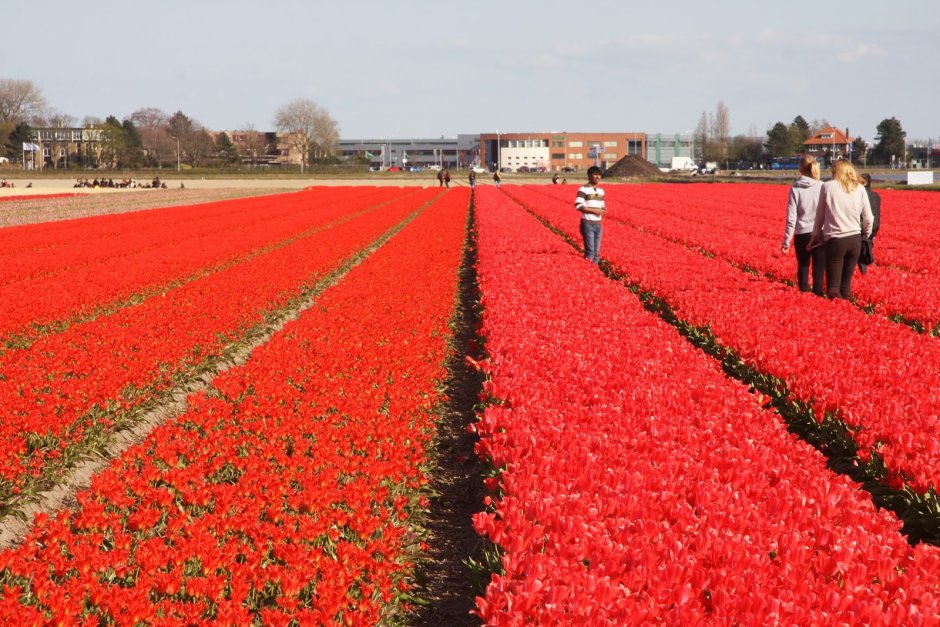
(444, 581)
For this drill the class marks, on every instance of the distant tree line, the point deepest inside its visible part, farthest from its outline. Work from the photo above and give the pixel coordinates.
(714, 141)
(151, 138)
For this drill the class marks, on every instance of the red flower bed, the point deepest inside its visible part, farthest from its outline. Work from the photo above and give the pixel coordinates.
(60, 272)
(640, 486)
(285, 493)
(879, 377)
(71, 388)
(744, 224)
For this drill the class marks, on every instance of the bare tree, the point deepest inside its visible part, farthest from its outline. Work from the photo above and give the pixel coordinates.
(327, 136)
(19, 101)
(151, 124)
(253, 144)
(721, 130)
(307, 127)
(702, 130)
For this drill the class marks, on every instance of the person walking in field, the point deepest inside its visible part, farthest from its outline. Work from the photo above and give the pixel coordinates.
(801, 218)
(874, 199)
(590, 201)
(496, 178)
(472, 178)
(843, 215)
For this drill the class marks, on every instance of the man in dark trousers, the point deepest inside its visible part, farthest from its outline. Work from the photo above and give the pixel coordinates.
(590, 202)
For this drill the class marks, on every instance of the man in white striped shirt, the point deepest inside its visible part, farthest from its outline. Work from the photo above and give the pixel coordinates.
(590, 202)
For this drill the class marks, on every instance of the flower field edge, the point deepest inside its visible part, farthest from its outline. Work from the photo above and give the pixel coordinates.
(557, 524)
(166, 494)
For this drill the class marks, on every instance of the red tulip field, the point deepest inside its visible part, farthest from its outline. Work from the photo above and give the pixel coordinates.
(678, 436)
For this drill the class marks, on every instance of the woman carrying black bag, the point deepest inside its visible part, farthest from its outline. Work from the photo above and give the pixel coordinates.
(843, 217)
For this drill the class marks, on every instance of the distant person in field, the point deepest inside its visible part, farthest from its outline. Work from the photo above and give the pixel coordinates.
(440, 178)
(447, 179)
(801, 218)
(875, 201)
(472, 178)
(555, 178)
(843, 216)
(496, 178)
(590, 202)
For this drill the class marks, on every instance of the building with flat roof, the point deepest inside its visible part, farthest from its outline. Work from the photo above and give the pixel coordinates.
(446, 152)
(554, 151)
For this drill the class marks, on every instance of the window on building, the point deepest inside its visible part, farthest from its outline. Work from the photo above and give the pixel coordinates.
(558, 155)
(576, 155)
(558, 144)
(611, 156)
(575, 144)
(610, 144)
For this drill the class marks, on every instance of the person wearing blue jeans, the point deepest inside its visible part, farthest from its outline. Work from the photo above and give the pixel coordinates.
(590, 202)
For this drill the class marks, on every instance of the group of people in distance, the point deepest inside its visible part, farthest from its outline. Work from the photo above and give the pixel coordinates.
(831, 226)
(123, 183)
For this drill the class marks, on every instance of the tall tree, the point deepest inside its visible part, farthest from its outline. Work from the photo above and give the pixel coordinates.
(151, 124)
(746, 149)
(134, 149)
(226, 150)
(20, 101)
(21, 134)
(721, 130)
(778, 141)
(702, 131)
(120, 143)
(890, 142)
(308, 129)
(859, 150)
(183, 131)
(799, 133)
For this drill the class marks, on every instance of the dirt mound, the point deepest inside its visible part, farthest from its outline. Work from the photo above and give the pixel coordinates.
(632, 166)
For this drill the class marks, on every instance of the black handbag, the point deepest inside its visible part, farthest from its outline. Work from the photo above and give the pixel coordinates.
(866, 255)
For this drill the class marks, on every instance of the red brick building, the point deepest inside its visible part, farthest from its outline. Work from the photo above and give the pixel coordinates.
(828, 144)
(551, 152)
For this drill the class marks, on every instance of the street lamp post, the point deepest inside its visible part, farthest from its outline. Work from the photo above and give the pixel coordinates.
(499, 153)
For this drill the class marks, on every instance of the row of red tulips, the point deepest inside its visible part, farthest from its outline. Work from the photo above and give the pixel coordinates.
(59, 272)
(878, 377)
(284, 495)
(909, 230)
(639, 485)
(744, 224)
(69, 390)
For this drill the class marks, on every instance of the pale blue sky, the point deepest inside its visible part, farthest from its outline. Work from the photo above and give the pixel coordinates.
(426, 69)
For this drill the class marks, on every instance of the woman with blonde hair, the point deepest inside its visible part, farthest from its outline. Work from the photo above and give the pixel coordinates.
(844, 213)
(801, 217)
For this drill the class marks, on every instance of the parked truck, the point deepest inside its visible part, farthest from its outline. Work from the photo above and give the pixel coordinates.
(683, 164)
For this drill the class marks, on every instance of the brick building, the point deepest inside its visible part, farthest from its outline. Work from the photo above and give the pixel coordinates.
(551, 152)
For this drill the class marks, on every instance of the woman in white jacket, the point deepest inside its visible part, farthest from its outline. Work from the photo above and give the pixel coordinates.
(844, 213)
(801, 217)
